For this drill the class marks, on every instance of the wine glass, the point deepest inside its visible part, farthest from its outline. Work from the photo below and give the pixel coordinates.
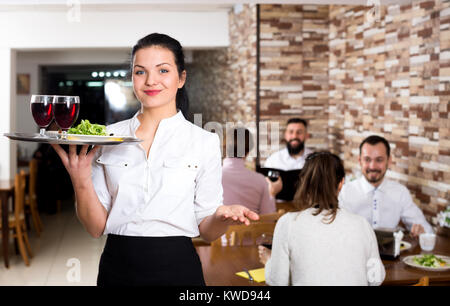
(265, 240)
(273, 175)
(65, 110)
(42, 110)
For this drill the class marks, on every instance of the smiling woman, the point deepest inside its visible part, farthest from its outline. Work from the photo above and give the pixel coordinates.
(151, 198)
(159, 60)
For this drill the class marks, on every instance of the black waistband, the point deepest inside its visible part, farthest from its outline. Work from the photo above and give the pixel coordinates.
(148, 238)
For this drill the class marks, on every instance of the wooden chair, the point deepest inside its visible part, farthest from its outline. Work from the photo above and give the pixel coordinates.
(30, 200)
(238, 233)
(286, 206)
(423, 281)
(273, 217)
(17, 218)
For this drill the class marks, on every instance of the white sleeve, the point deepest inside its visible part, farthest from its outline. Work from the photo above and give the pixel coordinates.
(208, 189)
(99, 182)
(277, 271)
(411, 214)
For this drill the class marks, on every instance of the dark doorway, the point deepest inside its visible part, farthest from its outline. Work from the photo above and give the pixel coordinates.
(87, 82)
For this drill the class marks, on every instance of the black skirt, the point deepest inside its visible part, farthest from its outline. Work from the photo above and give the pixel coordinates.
(149, 261)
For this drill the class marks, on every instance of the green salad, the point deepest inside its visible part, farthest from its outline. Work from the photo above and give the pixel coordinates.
(429, 260)
(87, 128)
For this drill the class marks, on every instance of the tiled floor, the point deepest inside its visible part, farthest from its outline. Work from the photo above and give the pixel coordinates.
(64, 255)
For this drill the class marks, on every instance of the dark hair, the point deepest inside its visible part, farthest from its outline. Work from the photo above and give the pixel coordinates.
(298, 120)
(373, 140)
(242, 142)
(319, 182)
(165, 41)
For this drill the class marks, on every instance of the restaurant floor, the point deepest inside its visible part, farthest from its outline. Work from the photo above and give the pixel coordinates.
(64, 255)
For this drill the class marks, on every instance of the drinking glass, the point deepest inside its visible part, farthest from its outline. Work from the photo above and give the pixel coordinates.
(427, 241)
(42, 110)
(273, 175)
(65, 110)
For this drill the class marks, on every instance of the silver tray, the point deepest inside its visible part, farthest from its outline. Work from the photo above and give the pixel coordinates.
(55, 138)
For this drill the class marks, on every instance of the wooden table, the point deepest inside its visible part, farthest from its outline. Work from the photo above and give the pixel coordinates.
(398, 273)
(220, 265)
(6, 190)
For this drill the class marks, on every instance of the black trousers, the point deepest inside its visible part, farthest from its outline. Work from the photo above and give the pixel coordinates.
(149, 261)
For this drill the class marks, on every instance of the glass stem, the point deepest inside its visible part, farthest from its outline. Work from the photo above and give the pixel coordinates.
(64, 134)
(42, 132)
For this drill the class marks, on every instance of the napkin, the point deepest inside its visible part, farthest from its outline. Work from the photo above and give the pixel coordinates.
(257, 274)
(398, 236)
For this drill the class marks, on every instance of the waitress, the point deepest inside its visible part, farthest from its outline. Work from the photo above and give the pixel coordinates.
(152, 198)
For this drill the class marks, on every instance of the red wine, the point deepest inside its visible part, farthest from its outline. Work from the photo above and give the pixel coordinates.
(42, 113)
(66, 114)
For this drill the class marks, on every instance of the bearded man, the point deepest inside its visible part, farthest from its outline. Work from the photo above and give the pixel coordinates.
(293, 156)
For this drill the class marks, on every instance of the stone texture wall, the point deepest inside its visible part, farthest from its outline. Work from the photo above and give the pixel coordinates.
(294, 69)
(392, 78)
(348, 77)
(223, 82)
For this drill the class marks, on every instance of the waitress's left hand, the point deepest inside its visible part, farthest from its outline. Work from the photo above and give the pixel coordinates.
(235, 214)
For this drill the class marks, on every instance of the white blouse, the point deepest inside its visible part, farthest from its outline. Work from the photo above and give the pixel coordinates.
(167, 194)
(306, 251)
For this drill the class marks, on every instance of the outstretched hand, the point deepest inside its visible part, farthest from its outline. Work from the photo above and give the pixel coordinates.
(236, 214)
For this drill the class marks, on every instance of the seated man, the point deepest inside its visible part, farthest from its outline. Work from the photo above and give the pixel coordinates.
(241, 185)
(381, 201)
(293, 156)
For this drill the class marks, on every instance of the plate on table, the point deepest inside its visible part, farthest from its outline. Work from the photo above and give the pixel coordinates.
(53, 137)
(404, 246)
(442, 263)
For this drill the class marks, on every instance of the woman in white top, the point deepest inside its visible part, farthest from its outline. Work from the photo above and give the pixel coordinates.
(152, 198)
(322, 244)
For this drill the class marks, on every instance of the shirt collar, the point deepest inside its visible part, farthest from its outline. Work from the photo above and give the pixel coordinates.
(368, 187)
(365, 185)
(173, 121)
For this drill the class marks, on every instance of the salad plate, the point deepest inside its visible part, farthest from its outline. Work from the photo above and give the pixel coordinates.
(428, 262)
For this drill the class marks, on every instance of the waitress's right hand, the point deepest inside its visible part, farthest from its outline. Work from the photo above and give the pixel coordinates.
(77, 165)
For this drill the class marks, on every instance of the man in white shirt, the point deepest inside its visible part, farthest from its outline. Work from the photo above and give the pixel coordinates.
(293, 156)
(381, 201)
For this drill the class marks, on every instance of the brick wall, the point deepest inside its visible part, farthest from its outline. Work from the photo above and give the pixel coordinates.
(223, 81)
(349, 78)
(294, 69)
